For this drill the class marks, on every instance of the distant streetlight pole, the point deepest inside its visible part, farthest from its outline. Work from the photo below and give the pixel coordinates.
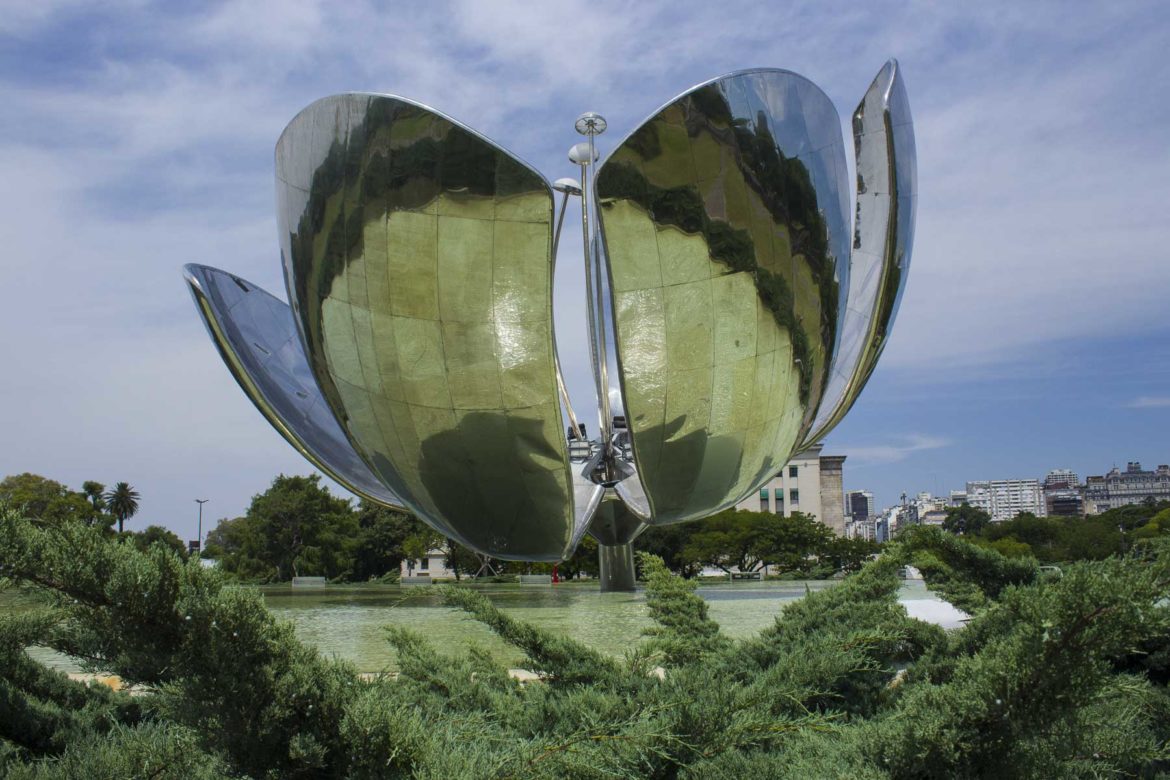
(199, 538)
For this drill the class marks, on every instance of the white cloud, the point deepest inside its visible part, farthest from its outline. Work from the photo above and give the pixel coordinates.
(1150, 402)
(898, 450)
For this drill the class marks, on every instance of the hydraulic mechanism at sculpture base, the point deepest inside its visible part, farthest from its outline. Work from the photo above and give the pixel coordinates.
(738, 299)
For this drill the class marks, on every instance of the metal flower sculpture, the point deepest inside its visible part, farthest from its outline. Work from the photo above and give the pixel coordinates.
(734, 317)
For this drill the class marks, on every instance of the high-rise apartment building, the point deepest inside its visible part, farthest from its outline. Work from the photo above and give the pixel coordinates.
(1003, 499)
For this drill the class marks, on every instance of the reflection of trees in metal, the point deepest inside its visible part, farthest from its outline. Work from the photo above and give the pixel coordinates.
(419, 268)
(682, 207)
(732, 168)
(415, 361)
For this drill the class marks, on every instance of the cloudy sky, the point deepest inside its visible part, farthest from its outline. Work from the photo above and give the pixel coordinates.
(135, 138)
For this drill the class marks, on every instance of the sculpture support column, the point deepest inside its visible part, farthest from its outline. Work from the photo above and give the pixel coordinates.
(616, 564)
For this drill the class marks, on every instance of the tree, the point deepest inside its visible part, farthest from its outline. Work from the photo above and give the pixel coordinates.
(965, 520)
(378, 550)
(790, 542)
(1158, 525)
(95, 492)
(419, 544)
(297, 527)
(1011, 547)
(584, 561)
(122, 502)
(238, 547)
(729, 540)
(1043, 536)
(45, 499)
(847, 555)
(459, 559)
(305, 529)
(156, 534)
(668, 542)
(749, 541)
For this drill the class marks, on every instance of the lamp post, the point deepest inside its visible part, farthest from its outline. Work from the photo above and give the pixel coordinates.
(199, 538)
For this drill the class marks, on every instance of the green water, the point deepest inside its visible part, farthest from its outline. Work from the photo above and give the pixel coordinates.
(349, 622)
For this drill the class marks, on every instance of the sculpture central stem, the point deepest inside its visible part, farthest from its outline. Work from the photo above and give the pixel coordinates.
(616, 567)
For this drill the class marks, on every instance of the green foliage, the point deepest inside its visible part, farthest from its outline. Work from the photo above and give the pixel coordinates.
(1030, 688)
(378, 549)
(1053, 677)
(219, 663)
(238, 547)
(966, 520)
(669, 542)
(1062, 539)
(95, 492)
(156, 534)
(968, 576)
(297, 528)
(46, 500)
(122, 503)
(584, 562)
(306, 531)
(749, 541)
(683, 632)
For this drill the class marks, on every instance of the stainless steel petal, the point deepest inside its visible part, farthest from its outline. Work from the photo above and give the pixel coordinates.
(883, 235)
(726, 236)
(418, 265)
(257, 338)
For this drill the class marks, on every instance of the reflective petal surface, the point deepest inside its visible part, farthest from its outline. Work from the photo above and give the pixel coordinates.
(258, 340)
(725, 219)
(417, 258)
(883, 135)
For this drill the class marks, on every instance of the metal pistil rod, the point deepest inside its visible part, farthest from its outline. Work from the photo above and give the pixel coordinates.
(576, 154)
(568, 187)
(589, 125)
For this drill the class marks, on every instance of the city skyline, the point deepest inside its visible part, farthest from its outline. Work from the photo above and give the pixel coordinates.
(1031, 337)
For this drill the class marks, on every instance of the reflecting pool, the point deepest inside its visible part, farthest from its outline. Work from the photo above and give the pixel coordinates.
(349, 621)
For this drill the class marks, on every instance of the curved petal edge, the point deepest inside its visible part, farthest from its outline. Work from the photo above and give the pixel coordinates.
(255, 335)
(883, 236)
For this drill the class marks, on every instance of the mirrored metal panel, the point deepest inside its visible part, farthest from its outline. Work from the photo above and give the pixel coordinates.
(257, 338)
(417, 257)
(883, 135)
(726, 232)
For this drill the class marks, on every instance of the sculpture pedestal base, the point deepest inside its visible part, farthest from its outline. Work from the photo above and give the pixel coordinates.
(616, 567)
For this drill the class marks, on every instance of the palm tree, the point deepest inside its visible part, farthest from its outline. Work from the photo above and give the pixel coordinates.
(93, 491)
(122, 502)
